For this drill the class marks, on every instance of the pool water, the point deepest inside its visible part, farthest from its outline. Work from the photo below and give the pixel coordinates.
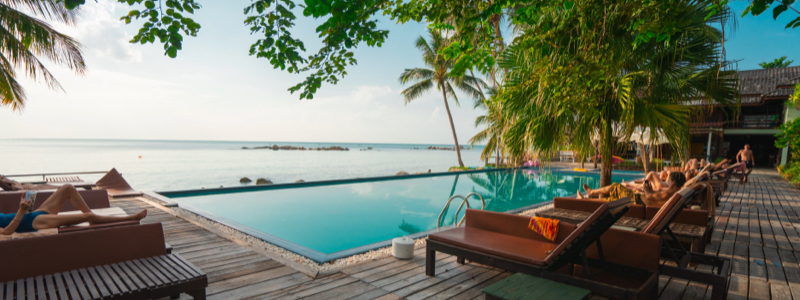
(333, 218)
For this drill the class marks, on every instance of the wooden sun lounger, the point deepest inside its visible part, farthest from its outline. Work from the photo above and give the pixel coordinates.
(9, 204)
(659, 225)
(579, 256)
(116, 185)
(127, 262)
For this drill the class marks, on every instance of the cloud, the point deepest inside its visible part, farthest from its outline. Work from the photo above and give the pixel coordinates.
(101, 32)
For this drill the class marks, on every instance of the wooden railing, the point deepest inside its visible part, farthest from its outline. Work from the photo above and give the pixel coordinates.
(44, 175)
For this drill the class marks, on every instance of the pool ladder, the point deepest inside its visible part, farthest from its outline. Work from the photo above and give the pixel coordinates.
(464, 200)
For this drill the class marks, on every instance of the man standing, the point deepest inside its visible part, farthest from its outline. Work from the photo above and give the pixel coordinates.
(745, 156)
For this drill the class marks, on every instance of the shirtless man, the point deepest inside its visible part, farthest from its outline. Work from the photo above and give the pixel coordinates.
(746, 156)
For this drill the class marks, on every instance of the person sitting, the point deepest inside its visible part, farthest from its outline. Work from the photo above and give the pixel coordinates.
(46, 216)
(702, 163)
(658, 181)
(648, 195)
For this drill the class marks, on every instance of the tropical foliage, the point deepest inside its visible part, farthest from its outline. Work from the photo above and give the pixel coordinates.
(25, 38)
(581, 74)
(347, 24)
(777, 63)
(789, 136)
(757, 7)
(438, 76)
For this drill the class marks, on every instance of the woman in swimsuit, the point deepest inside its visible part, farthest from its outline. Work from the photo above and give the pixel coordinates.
(47, 215)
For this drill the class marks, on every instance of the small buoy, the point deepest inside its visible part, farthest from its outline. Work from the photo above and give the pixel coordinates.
(580, 170)
(140, 156)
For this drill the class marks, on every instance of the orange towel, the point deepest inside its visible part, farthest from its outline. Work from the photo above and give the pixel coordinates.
(548, 228)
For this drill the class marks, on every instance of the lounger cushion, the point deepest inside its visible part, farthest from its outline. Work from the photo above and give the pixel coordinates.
(587, 205)
(697, 217)
(29, 257)
(503, 245)
(674, 204)
(510, 224)
(618, 247)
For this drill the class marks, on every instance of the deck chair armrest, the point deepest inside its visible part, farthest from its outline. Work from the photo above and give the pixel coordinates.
(510, 224)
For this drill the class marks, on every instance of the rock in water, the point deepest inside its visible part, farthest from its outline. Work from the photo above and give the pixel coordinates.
(401, 173)
(261, 181)
(245, 180)
(299, 181)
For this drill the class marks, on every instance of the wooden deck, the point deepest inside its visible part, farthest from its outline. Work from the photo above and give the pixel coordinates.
(758, 228)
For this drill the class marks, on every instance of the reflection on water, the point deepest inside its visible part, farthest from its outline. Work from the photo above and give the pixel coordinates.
(338, 217)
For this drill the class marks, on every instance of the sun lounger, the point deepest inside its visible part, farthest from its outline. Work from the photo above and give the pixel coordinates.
(128, 262)
(691, 226)
(659, 225)
(116, 185)
(97, 199)
(607, 266)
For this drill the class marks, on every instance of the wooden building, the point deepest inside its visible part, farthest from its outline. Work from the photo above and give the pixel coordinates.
(723, 131)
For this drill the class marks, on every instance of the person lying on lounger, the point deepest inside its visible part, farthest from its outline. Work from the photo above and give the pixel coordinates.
(649, 195)
(47, 215)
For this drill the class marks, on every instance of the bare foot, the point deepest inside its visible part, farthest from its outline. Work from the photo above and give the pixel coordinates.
(579, 195)
(140, 215)
(587, 189)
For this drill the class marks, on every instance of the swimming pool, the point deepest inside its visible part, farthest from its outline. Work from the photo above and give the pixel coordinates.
(335, 219)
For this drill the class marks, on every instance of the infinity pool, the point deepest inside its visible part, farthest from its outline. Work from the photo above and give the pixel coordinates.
(326, 221)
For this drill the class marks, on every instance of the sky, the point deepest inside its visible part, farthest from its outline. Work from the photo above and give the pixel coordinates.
(214, 90)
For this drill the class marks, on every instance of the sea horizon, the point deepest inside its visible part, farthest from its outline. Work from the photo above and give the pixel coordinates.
(163, 165)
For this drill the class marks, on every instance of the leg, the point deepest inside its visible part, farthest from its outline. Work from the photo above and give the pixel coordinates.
(430, 261)
(593, 193)
(55, 221)
(66, 192)
(198, 294)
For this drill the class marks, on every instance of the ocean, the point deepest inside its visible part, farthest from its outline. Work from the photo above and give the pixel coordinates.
(160, 165)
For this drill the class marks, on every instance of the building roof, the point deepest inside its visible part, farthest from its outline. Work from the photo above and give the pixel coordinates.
(763, 81)
(755, 86)
(789, 83)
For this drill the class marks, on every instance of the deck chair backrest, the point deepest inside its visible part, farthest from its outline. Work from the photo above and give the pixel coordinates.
(6, 184)
(9, 202)
(669, 211)
(113, 180)
(30, 257)
(587, 233)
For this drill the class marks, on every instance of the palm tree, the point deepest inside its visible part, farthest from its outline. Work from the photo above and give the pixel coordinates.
(495, 122)
(437, 75)
(25, 38)
(571, 83)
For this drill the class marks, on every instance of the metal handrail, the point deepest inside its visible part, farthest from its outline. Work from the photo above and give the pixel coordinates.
(466, 198)
(463, 201)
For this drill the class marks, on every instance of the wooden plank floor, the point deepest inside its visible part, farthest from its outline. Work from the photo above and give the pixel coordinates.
(758, 228)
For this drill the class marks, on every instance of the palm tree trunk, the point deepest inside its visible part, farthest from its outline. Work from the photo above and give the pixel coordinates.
(607, 152)
(645, 158)
(452, 126)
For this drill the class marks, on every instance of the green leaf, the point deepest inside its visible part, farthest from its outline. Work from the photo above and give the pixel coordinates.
(71, 4)
(758, 7)
(149, 4)
(778, 10)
